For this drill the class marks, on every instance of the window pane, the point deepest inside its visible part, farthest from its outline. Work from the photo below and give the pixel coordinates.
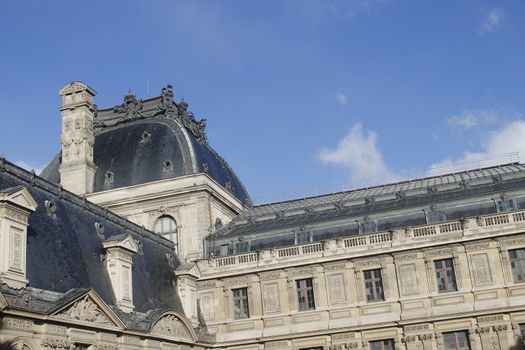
(517, 264)
(445, 275)
(240, 303)
(305, 294)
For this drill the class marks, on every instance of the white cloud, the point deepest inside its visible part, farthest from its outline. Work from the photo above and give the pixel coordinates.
(341, 98)
(500, 147)
(23, 164)
(493, 20)
(470, 119)
(358, 152)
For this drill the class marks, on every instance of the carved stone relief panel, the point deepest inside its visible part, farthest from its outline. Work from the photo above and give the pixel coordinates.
(16, 247)
(481, 269)
(171, 325)
(208, 306)
(409, 283)
(271, 297)
(85, 310)
(336, 288)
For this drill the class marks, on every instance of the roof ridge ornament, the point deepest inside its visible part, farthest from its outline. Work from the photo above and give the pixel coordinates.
(130, 109)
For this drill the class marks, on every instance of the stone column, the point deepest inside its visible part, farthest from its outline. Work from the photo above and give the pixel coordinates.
(77, 170)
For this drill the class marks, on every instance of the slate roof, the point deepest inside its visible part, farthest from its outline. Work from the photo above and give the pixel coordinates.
(155, 139)
(392, 206)
(65, 253)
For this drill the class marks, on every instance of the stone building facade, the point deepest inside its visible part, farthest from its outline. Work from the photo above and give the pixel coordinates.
(138, 235)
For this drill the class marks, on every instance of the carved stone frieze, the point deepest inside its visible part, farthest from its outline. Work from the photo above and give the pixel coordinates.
(344, 346)
(85, 310)
(512, 242)
(410, 338)
(269, 276)
(426, 336)
(417, 328)
(56, 343)
(206, 284)
(490, 319)
(276, 344)
(343, 337)
(106, 347)
(334, 267)
(237, 280)
(405, 257)
(300, 272)
(477, 246)
(484, 329)
(171, 325)
(17, 323)
(501, 327)
(363, 264)
(439, 252)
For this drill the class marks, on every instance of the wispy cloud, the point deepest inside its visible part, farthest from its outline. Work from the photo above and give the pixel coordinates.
(341, 98)
(500, 146)
(469, 119)
(38, 169)
(493, 20)
(358, 151)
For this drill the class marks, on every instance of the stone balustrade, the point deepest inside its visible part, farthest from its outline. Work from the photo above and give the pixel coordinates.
(404, 237)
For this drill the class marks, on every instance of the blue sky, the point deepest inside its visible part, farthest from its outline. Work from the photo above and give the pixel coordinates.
(301, 97)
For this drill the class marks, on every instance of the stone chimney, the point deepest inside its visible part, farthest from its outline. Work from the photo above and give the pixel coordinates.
(77, 170)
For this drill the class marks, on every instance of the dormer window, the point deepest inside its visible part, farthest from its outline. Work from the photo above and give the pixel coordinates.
(119, 264)
(504, 204)
(166, 226)
(303, 237)
(435, 216)
(367, 226)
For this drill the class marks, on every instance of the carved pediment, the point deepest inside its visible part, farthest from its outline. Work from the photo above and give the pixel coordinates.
(19, 196)
(172, 325)
(89, 308)
(122, 241)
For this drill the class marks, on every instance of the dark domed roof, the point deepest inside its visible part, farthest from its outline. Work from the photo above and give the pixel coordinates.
(144, 141)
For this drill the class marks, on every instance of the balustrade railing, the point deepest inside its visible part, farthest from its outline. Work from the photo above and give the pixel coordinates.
(377, 239)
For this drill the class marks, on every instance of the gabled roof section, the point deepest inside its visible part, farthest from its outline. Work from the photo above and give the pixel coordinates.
(85, 305)
(124, 241)
(20, 196)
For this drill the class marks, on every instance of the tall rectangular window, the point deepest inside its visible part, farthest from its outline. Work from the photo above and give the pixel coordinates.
(305, 294)
(445, 275)
(456, 341)
(385, 344)
(240, 303)
(373, 285)
(517, 264)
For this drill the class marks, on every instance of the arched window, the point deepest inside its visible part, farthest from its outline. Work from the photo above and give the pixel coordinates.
(166, 226)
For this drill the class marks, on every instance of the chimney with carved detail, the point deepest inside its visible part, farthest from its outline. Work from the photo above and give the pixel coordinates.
(77, 170)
